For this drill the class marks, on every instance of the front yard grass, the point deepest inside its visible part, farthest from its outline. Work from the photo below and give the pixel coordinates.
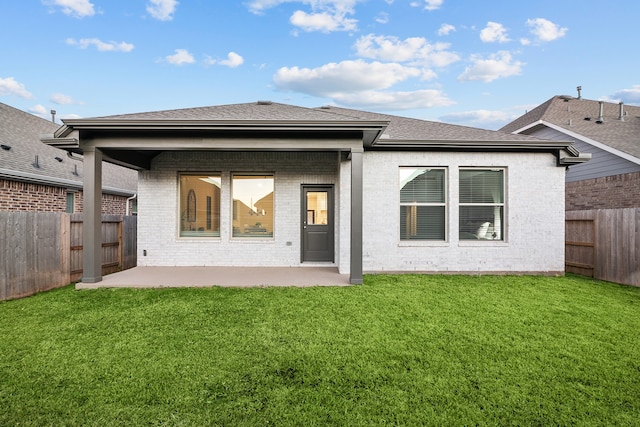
(398, 350)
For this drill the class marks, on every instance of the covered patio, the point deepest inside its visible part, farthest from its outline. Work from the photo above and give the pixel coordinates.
(176, 277)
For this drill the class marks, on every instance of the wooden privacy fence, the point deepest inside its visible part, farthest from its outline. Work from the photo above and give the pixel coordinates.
(604, 244)
(42, 251)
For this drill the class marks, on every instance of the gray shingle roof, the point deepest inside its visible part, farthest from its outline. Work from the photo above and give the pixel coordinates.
(408, 129)
(579, 116)
(400, 128)
(21, 131)
(255, 111)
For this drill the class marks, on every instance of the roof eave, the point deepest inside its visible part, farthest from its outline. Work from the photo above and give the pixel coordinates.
(461, 144)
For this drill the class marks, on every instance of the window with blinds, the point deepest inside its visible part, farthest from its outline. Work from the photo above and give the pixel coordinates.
(423, 203)
(481, 204)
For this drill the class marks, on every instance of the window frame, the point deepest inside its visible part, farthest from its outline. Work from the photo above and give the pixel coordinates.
(445, 204)
(207, 217)
(234, 214)
(502, 205)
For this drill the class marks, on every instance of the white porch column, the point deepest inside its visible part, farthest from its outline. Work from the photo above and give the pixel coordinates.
(92, 216)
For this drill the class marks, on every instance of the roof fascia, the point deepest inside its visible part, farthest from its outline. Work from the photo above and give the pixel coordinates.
(461, 144)
(582, 138)
(371, 129)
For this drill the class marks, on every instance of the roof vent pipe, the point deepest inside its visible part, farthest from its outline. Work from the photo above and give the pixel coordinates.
(53, 116)
(600, 119)
(621, 117)
(579, 88)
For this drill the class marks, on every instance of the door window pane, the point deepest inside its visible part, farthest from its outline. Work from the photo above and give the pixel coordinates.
(200, 205)
(422, 203)
(317, 207)
(252, 206)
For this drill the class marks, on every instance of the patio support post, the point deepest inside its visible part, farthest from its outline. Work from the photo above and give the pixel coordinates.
(356, 217)
(92, 216)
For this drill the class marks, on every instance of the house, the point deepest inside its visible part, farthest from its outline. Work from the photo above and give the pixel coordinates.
(609, 131)
(38, 177)
(269, 184)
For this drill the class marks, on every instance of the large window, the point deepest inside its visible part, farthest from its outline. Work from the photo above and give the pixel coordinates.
(481, 204)
(422, 203)
(252, 205)
(200, 205)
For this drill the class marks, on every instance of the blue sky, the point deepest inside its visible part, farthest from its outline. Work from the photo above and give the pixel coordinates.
(470, 62)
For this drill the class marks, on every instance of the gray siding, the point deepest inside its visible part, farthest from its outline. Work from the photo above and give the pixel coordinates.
(602, 162)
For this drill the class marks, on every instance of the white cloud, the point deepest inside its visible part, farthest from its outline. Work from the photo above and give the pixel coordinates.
(428, 4)
(445, 29)
(9, 86)
(39, 110)
(382, 18)
(61, 99)
(324, 15)
(259, 6)
(381, 101)
(498, 65)
(494, 32)
(162, 10)
(415, 50)
(100, 45)
(545, 30)
(233, 60)
(323, 21)
(344, 77)
(75, 8)
(361, 84)
(181, 57)
(630, 96)
(486, 119)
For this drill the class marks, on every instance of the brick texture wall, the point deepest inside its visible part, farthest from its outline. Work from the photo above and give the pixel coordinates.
(26, 197)
(610, 192)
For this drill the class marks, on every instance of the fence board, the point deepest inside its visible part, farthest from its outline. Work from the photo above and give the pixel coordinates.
(615, 238)
(41, 251)
(34, 253)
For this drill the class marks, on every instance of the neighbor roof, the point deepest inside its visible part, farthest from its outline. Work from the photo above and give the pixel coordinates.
(580, 116)
(28, 159)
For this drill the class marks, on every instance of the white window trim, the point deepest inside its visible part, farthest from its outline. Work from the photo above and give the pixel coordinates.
(503, 204)
(427, 242)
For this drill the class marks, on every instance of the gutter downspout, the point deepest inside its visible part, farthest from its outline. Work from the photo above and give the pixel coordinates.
(128, 200)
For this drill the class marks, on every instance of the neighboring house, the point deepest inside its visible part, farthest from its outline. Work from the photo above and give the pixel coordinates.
(610, 132)
(268, 184)
(38, 177)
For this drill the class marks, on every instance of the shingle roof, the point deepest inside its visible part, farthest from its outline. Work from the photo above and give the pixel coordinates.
(409, 129)
(21, 131)
(255, 111)
(580, 116)
(400, 128)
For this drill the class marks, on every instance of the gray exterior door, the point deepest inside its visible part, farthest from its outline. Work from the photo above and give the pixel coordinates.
(317, 223)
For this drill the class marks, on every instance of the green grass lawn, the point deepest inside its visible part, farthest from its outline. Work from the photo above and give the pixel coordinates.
(398, 350)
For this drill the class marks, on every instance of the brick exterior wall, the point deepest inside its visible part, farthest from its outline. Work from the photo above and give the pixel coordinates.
(27, 197)
(534, 213)
(158, 211)
(533, 223)
(609, 192)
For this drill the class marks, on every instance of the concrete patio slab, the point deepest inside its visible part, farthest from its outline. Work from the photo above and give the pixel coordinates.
(165, 277)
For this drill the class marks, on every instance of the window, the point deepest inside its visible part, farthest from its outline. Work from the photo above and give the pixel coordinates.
(481, 204)
(200, 205)
(71, 196)
(422, 203)
(252, 205)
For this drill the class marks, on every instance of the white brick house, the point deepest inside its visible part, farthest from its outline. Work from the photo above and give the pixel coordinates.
(266, 184)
